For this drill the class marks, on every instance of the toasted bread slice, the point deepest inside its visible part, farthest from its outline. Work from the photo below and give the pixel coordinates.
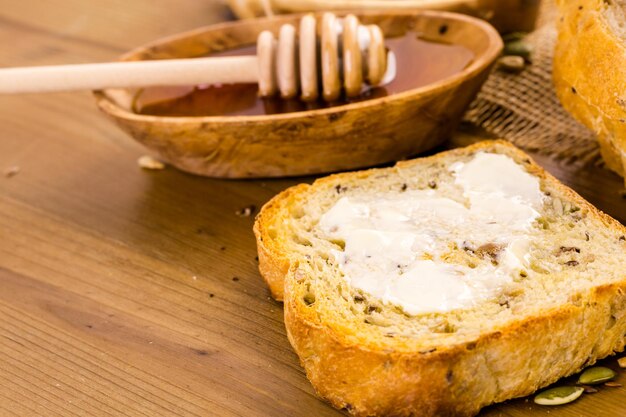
(590, 71)
(423, 349)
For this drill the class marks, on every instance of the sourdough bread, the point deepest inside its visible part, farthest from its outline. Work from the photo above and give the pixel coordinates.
(590, 71)
(394, 351)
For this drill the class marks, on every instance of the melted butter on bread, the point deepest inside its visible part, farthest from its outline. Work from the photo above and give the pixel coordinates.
(394, 242)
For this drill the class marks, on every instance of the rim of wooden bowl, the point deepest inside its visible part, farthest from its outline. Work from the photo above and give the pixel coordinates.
(478, 64)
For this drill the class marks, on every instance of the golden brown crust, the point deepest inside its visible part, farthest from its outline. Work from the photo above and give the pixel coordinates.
(458, 381)
(370, 378)
(273, 260)
(590, 75)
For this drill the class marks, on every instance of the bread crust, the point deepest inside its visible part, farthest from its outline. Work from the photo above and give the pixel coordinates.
(274, 261)
(590, 75)
(373, 378)
(457, 381)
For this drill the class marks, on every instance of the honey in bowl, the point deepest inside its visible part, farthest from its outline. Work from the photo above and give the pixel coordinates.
(419, 62)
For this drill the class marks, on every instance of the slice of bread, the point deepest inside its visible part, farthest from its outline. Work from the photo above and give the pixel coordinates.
(590, 71)
(560, 310)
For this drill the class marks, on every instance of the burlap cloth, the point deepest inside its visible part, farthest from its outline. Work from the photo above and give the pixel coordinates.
(524, 109)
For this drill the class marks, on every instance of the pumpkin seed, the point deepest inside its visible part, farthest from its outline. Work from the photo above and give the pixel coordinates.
(558, 206)
(518, 48)
(148, 162)
(514, 36)
(558, 395)
(511, 63)
(596, 375)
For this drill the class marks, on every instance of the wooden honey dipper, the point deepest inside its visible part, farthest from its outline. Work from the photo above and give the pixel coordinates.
(288, 65)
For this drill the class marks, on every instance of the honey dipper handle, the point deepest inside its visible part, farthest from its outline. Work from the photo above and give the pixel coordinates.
(237, 69)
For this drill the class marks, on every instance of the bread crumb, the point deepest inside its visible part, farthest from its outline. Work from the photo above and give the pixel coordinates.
(148, 162)
(622, 362)
(11, 171)
(246, 211)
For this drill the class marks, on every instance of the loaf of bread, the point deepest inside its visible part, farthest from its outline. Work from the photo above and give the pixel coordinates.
(590, 71)
(443, 284)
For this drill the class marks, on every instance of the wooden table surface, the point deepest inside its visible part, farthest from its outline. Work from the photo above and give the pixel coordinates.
(131, 292)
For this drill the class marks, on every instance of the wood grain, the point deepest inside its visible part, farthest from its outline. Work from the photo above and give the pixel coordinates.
(117, 289)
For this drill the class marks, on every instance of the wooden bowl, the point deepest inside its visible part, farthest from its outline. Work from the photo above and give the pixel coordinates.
(339, 138)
